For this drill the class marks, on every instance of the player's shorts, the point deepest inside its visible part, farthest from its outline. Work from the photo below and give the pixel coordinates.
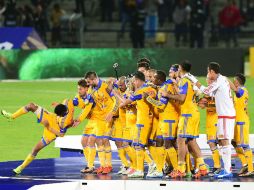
(188, 125)
(102, 129)
(117, 130)
(155, 131)
(211, 127)
(141, 132)
(169, 127)
(43, 115)
(89, 128)
(129, 129)
(225, 127)
(241, 133)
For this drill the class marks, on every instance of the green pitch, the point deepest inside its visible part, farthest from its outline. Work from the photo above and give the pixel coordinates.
(18, 137)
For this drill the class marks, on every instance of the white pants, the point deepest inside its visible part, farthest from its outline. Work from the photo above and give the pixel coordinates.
(225, 128)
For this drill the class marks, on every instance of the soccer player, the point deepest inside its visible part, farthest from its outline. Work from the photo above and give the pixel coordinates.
(241, 135)
(106, 106)
(208, 102)
(49, 120)
(188, 125)
(168, 120)
(144, 67)
(220, 89)
(143, 121)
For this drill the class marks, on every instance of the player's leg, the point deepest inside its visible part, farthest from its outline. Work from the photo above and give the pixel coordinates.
(225, 134)
(215, 157)
(21, 111)
(91, 154)
(30, 157)
(84, 142)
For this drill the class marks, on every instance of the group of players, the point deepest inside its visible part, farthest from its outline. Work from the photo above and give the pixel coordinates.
(155, 120)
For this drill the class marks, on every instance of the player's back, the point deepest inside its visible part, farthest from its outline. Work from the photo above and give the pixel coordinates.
(189, 105)
(223, 98)
(241, 104)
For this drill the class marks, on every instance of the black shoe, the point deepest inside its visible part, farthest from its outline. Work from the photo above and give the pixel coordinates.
(215, 171)
(247, 174)
(243, 170)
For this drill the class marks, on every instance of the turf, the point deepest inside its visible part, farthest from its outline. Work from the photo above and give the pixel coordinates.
(18, 137)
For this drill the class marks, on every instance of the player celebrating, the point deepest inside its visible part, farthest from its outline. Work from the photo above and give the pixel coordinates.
(241, 135)
(143, 121)
(220, 89)
(188, 126)
(208, 102)
(49, 120)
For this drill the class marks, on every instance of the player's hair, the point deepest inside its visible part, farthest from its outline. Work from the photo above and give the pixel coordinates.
(91, 74)
(186, 66)
(144, 59)
(144, 64)
(175, 67)
(214, 66)
(240, 78)
(139, 75)
(161, 75)
(60, 110)
(83, 83)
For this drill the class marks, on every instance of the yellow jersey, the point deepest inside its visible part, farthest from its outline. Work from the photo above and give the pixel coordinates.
(241, 104)
(143, 106)
(189, 105)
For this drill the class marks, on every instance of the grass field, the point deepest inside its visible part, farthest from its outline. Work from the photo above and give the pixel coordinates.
(18, 137)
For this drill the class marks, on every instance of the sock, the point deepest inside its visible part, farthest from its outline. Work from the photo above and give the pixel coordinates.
(181, 167)
(147, 157)
(27, 161)
(160, 158)
(226, 157)
(108, 156)
(201, 164)
(248, 156)
(172, 154)
(187, 160)
(101, 155)
(91, 156)
(122, 156)
(86, 153)
(241, 156)
(153, 153)
(132, 155)
(19, 112)
(140, 159)
(216, 158)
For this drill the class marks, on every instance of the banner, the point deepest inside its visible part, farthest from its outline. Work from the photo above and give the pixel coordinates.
(20, 38)
(57, 63)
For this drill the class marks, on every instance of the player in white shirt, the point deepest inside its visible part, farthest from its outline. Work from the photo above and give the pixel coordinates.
(220, 89)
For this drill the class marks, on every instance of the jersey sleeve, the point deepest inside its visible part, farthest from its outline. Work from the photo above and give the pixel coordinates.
(183, 87)
(239, 93)
(87, 108)
(209, 89)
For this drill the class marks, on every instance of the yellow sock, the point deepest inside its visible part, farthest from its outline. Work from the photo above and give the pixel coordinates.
(27, 161)
(147, 158)
(140, 159)
(172, 154)
(181, 167)
(19, 112)
(216, 158)
(241, 156)
(132, 155)
(122, 155)
(91, 156)
(188, 164)
(201, 164)
(153, 153)
(108, 156)
(160, 158)
(101, 155)
(248, 156)
(86, 152)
